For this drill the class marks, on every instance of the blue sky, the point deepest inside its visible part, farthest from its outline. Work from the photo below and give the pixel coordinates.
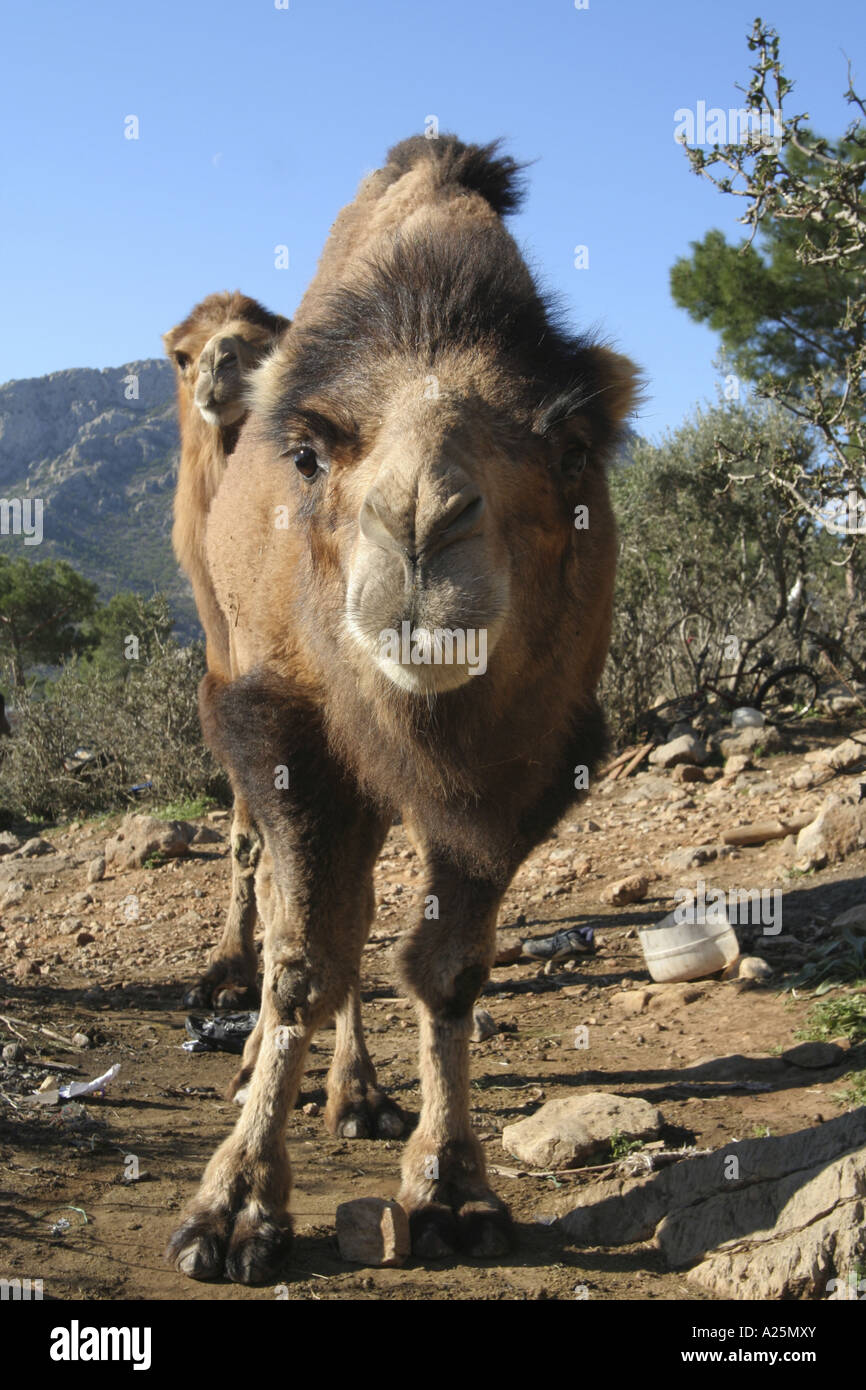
(256, 123)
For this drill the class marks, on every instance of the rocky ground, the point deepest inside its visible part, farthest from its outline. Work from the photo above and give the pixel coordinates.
(92, 973)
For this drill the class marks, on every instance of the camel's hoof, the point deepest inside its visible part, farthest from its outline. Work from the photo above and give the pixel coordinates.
(257, 1253)
(197, 1248)
(212, 992)
(372, 1118)
(485, 1228)
(206, 1246)
(433, 1232)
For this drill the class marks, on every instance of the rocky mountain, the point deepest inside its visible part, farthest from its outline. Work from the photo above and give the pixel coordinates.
(100, 449)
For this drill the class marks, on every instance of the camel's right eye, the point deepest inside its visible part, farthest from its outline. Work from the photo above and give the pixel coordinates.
(182, 360)
(306, 460)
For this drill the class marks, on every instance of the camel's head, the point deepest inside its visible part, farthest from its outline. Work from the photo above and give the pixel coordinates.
(215, 349)
(436, 432)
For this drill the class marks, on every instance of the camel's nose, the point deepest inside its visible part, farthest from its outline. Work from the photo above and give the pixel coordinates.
(420, 530)
(217, 355)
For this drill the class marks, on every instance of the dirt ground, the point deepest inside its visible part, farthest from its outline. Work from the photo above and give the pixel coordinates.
(123, 987)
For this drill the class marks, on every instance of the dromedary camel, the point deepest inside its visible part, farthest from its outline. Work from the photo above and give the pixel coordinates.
(214, 351)
(415, 551)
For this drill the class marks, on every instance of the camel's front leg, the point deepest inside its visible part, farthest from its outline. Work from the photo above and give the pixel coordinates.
(230, 979)
(445, 965)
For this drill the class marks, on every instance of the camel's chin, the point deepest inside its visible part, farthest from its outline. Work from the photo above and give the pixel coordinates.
(426, 680)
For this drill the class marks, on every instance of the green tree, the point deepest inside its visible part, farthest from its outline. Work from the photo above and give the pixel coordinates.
(43, 605)
(790, 299)
(127, 631)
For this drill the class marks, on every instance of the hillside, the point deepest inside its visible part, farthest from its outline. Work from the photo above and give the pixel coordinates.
(105, 468)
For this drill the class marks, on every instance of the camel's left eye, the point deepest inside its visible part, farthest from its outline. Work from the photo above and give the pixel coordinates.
(182, 360)
(306, 460)
(573, 462)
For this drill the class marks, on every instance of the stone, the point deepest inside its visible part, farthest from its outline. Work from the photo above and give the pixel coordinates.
(373, 1231)
(628, 890)
(681, 860)
(688, 772)
(84, 938)
(843, 756)
(814, 1055)
(24, 968)
(14, 894)
(781, 1223)
(806, 777)
(571, 1132)
(853, 919)
(688, 748)
(14, 1052)
(838, 829)
(81, 1040)
(207, 835)
(508, 949)
(96, 869)
(311, 1108)
(140, 838)
(631, 1001)
(753, 968)
(32, 849)
(737, 763)
(483, 1025)
(8, 842)
(730, 741)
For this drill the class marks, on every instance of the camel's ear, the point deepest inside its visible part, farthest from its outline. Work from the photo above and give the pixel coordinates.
(586, 418)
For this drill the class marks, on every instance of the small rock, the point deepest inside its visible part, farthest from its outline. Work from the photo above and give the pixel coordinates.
(853, 919)
(688, 748)
(32, 849)
(373, 1231)
(748, 740)
(14, 894)
(688, 772)
(96, 869)
(838, 829)
(206, 835)
(84, 938)
(814, 1055)
(24, 968)
(483, 1025)
(140, 838)
(737, 763)
(14, 1052)
(508, 950)
(681, 860)
(8, 843)
(81, 1040)
(311, 1108)
(631, 1001)
(571, 1132)
(753, 968)
(628, 890)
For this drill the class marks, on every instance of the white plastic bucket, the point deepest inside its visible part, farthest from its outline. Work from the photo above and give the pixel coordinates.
(689, 950)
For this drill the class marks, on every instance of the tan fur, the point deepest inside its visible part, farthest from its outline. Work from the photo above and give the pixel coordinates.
(445, 508)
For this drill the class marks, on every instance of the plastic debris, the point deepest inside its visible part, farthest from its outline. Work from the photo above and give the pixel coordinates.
(228, 1033)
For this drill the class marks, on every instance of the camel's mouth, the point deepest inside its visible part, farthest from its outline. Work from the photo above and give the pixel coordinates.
(221, 413)
(428, 640)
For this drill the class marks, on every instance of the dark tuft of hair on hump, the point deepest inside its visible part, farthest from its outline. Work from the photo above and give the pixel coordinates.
(478, 168)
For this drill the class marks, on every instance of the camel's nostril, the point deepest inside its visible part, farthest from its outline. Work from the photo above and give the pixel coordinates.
(459, 519)
(225, 360)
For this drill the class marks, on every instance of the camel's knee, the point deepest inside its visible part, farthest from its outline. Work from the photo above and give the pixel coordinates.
(304, 993)
(448, 992)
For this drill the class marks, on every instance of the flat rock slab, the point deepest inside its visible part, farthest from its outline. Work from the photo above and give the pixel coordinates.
(570, 1132)
(769, 1218)
(373, 1231)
